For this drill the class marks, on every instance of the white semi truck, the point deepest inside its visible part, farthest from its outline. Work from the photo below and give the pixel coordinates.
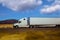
(37, 22)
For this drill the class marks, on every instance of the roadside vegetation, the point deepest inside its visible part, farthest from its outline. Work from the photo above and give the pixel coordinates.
(30, 34)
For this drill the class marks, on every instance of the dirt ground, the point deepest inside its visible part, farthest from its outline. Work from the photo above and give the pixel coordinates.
(30, 34)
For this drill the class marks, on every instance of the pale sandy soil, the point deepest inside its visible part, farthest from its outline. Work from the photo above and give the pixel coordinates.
(6, 25)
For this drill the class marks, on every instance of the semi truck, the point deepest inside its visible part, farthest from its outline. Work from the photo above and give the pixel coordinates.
(32, 22)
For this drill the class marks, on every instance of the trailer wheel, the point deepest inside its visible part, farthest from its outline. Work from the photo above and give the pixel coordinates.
(58, 26)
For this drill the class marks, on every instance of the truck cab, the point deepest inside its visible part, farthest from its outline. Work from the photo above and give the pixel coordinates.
(21, 23)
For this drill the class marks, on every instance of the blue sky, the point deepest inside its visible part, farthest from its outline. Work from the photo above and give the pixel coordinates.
(25, 8)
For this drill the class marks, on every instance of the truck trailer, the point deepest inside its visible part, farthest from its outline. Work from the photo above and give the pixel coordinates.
(32, 22)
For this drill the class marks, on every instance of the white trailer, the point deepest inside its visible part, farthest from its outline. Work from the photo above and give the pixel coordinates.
(37, 22)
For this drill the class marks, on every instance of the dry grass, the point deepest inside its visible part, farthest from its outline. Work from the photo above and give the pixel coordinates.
(6, 25)
(30, 34)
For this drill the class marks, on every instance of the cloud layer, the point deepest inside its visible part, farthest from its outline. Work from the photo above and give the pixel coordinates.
(51, 9)
(54, 7)
(17, 5)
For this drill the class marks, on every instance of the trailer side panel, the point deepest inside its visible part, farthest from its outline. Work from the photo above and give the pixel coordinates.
(41, 21)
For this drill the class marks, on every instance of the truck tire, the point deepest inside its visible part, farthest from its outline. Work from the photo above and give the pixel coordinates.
(31, 26)
(16, 26)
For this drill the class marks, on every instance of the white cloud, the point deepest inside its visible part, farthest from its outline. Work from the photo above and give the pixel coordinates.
(54, 7)
(50, 9)
(17, 5)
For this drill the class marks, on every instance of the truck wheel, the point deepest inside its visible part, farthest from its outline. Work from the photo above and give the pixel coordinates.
(31, 26)
(15, 26)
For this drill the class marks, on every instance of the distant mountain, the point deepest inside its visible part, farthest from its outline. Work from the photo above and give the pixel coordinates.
(9, 21)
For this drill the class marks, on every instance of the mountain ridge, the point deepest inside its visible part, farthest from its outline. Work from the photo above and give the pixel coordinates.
(8, 21)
